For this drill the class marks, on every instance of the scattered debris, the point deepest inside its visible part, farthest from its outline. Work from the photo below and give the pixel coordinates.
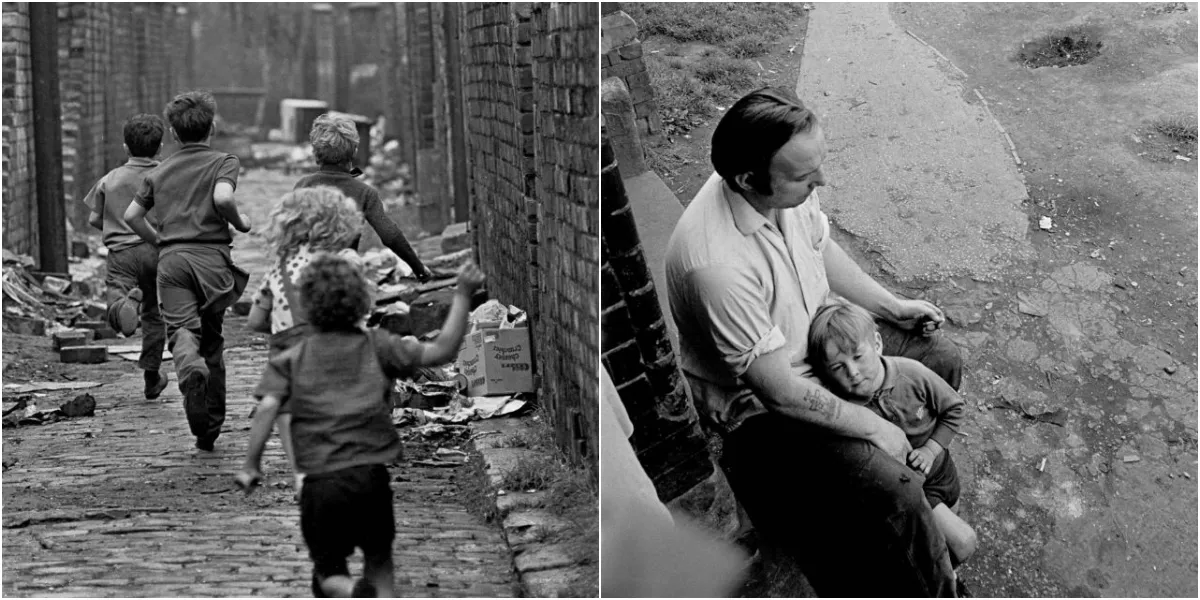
(39, 386)
(25, 412)
(1046, 223)
(1028, 306)
(1054, 417)
(1042, 467)
(1131, 458)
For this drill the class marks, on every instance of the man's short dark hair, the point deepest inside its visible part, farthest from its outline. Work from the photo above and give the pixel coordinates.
(334, 293)
(753, 130)
(191, 115)
(144, 134)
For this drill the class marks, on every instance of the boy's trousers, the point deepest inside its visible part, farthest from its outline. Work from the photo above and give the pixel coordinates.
(130, 268)
(196, 283)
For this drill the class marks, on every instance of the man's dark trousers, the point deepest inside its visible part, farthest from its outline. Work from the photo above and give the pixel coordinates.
(855, 519)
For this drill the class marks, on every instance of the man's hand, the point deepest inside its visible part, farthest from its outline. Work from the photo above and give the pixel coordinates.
(470, 279)
(424, 275)
(891, 439)
(922, 458)
(911, 314)
(248, 478)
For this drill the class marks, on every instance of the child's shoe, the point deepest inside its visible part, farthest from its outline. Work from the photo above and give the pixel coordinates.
(129, 312)
(156, 382)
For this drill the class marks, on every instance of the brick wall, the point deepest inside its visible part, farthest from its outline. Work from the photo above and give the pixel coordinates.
(530, 84)
(638, 355)
(622, 57)
(20, 200)
(114, 60)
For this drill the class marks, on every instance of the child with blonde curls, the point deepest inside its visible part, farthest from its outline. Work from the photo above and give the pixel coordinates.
(305, 223)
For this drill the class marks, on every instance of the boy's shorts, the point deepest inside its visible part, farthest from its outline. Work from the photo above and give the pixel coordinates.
(941, 484)
(343, 510)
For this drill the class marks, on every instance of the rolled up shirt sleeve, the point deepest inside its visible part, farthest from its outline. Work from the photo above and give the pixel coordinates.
(732, 314)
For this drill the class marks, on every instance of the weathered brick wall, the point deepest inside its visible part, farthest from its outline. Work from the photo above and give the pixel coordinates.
(114, 60)
(638, 355)
(531, 90)
(20, 200)
(622, 57)
(566, 90)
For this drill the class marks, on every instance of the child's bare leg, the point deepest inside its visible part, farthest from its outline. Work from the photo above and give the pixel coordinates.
(960, 537)
(337, 586)
(378, 571)
(283, 424)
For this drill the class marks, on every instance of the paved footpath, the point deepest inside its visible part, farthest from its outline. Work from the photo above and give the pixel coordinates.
(121, 504)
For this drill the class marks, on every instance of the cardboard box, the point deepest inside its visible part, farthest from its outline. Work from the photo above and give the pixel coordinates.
(497, 361)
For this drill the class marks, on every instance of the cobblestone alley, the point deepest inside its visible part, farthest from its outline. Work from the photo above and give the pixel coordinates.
(121, 504)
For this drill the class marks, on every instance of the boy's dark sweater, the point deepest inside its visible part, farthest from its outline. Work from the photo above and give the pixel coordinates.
(368, 201)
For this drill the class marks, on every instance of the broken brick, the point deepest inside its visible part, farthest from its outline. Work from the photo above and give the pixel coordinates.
(24, 325)
(84, 354)
(71, 337)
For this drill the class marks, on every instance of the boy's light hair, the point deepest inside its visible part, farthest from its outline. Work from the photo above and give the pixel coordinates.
(334, 139)
(321, 217)
(842, 325)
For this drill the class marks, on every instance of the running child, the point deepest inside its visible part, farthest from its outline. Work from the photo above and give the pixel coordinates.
(192, 192)
(305, 222)
(335, 143)
(335, 382)
(132, 264)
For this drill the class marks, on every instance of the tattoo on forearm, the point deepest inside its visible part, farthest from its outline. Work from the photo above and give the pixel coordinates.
(821, 402)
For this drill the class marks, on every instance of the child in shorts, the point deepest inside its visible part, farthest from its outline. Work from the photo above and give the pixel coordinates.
(335, 143)
(845, 349)
(335, 381)
(305, 223)
(132, 264)
(192, 194)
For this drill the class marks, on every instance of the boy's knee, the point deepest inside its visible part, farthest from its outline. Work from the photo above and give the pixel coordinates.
(965, 544)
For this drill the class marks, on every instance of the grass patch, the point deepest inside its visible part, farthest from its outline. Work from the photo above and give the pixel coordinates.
(1069, 47)
(748, 27)
(700, 55)
(1179, 129)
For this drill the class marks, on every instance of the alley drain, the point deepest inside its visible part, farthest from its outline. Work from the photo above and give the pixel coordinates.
(1067, 48)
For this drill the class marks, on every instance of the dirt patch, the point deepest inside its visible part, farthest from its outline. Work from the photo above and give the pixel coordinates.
(1067, 48)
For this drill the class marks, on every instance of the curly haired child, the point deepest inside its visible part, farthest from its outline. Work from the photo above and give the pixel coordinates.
(305, 222)
(335, 382)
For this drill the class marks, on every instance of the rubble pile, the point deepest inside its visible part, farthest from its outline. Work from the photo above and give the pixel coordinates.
(43, 304)
(440, 396)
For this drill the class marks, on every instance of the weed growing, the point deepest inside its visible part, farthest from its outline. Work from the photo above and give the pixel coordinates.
(1180, 129)
(1073, 46)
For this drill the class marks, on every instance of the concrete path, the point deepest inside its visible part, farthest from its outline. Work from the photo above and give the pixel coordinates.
(916, 171)
(122, 505)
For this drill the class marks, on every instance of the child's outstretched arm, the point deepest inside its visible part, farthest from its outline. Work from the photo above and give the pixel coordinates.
(260, 430)
(444, 348)
(227, 207)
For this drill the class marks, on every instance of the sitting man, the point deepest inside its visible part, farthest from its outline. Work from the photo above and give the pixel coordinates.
(748, 265)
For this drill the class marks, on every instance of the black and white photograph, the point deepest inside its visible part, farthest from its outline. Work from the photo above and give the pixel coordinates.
(301, 299)
(898, 299)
